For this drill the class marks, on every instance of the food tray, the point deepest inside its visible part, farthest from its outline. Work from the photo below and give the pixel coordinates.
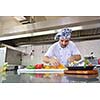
(81, 68)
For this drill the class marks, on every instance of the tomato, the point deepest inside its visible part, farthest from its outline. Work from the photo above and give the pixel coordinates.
(39, 66)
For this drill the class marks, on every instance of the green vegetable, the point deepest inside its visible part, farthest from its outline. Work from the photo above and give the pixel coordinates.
(5, 64)
(30, 67)
(85, 65)
(86, 62)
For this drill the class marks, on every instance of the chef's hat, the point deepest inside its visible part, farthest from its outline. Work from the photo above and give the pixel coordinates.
(64, 33)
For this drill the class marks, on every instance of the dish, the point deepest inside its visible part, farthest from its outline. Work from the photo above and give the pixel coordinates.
(80, 68)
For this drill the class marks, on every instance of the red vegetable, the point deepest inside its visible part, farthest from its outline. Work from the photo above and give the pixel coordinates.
(39, 66)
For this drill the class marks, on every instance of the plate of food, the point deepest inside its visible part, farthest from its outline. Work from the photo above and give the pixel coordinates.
(80, 67)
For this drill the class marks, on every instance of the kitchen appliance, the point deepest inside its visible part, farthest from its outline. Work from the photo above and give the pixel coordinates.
(13, 57)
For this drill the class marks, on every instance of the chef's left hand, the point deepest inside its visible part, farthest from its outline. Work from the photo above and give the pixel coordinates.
(71, 59)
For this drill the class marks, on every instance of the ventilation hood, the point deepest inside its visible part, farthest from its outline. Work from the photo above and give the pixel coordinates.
(50, 27)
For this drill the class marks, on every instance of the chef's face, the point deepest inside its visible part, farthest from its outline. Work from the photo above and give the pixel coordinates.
(63, 42)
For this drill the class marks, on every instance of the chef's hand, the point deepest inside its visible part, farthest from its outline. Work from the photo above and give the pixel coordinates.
(74, 58)
(54, 61)
(71, 59)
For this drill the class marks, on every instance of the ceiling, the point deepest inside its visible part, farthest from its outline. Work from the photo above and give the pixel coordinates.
(20, 25)
(11, 21)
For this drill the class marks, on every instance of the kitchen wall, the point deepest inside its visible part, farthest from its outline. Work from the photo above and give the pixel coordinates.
(36, 52)
(86, 47)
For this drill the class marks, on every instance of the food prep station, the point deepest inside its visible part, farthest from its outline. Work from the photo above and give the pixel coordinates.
(14, 77)
(26, 44)
(21, 74)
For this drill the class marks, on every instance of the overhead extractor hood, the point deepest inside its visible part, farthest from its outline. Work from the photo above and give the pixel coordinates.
(50, 27)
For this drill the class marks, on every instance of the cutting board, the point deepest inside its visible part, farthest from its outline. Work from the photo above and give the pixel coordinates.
(81, 72)
(82, 76)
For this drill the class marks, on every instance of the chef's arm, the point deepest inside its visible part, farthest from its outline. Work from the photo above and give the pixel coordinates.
(74, 58)
(51, 60)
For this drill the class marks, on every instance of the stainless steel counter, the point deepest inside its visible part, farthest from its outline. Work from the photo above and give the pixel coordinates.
(13, 77)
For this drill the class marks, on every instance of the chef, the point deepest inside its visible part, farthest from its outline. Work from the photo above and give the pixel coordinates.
(64, 51)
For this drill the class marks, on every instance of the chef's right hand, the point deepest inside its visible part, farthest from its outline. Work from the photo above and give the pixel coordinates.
(54, 61)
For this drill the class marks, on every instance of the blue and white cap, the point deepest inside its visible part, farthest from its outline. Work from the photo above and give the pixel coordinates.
(64, 33)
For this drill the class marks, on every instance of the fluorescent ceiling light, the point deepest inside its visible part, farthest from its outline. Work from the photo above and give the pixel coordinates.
(76, 28)
(27, 35)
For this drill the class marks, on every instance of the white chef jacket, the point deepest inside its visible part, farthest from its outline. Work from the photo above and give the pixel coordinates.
(62, 53)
